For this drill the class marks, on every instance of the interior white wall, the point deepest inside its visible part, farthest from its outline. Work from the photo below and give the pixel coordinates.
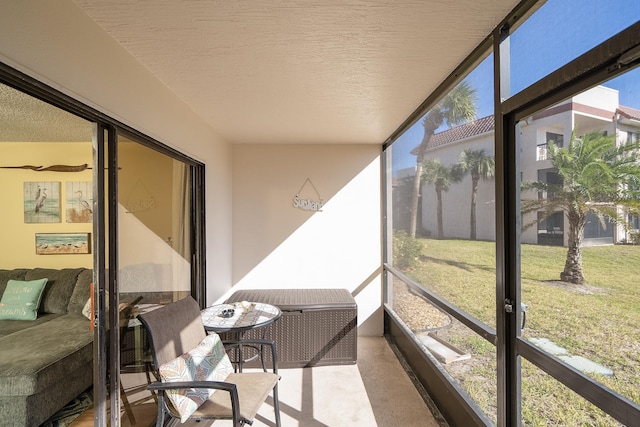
(57, 44)
(276, 245)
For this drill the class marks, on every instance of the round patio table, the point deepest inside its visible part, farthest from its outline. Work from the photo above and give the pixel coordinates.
(237, 318)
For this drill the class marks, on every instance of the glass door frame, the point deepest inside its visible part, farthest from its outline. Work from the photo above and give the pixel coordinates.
(611, 58)
(105, 131)
(110, 282)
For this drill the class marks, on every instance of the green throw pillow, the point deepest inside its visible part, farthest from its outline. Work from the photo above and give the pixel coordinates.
(21, 300)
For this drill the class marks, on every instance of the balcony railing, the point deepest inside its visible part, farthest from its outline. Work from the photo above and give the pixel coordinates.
(542, 152)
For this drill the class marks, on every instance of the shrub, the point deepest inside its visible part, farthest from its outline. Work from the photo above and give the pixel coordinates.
(406, 250)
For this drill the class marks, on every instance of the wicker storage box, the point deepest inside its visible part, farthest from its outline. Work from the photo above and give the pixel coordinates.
(318, 326)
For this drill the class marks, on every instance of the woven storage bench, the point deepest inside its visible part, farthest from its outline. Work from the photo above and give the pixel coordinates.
(318, 326)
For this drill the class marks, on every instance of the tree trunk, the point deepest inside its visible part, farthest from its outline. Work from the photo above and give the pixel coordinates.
(439, 210)
(474, 197)
(573, 265)
(415, 193)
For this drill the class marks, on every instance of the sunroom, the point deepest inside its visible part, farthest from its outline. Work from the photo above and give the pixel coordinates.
(294, 145)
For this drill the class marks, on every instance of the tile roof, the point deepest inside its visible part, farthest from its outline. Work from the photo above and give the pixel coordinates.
(467, 130)
(628, 112)
(487, 124)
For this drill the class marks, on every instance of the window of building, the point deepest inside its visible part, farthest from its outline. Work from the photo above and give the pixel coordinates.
(551, 229)
(599, 228)
(543, 149)
(553, 181)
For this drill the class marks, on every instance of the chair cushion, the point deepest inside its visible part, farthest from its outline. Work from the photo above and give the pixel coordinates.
(21, 299)
(207, 362)
(253, 389)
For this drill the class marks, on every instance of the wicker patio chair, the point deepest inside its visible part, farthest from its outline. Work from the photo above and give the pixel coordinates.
(175, 330)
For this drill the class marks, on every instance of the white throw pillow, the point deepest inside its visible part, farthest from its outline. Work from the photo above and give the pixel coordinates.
(86, 310)
(207, 362)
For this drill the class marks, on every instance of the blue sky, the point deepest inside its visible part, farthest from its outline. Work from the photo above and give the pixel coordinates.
(557, 33)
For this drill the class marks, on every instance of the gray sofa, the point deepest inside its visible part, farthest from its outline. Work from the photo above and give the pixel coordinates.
(47, 362)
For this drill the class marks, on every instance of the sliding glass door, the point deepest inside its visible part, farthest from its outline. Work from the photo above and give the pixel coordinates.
(132, 206)
(155, 247)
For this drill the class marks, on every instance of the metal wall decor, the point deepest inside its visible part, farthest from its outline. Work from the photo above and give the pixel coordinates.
(308, 204)
(52, 168)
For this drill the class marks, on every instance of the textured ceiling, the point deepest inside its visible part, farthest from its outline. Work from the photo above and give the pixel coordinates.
(27, 119)
(300, 71)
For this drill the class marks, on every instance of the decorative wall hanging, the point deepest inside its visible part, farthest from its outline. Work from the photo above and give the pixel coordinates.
(79, 201)
(139, 198)
(62, 243)
(308, 204)
(41, 202)
(52, 168)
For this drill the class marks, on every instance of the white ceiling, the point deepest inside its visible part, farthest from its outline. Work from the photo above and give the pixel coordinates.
(300, 71)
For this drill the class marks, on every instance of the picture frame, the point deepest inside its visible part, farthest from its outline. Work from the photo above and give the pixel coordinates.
(41, 202)
(79, 201)
(62, 243)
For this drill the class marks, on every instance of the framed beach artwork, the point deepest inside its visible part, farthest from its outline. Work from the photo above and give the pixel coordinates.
(79, 201)
(63, 243)
(41, 202)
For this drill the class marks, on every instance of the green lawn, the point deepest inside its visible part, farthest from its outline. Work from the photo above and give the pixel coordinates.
(598, 321)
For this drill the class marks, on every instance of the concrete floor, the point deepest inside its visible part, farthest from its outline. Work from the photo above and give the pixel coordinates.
(374, 392)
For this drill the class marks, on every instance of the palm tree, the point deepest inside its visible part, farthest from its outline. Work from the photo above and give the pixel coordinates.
(597, 177)
(478, 165)
(457, 107)
(441, 177)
